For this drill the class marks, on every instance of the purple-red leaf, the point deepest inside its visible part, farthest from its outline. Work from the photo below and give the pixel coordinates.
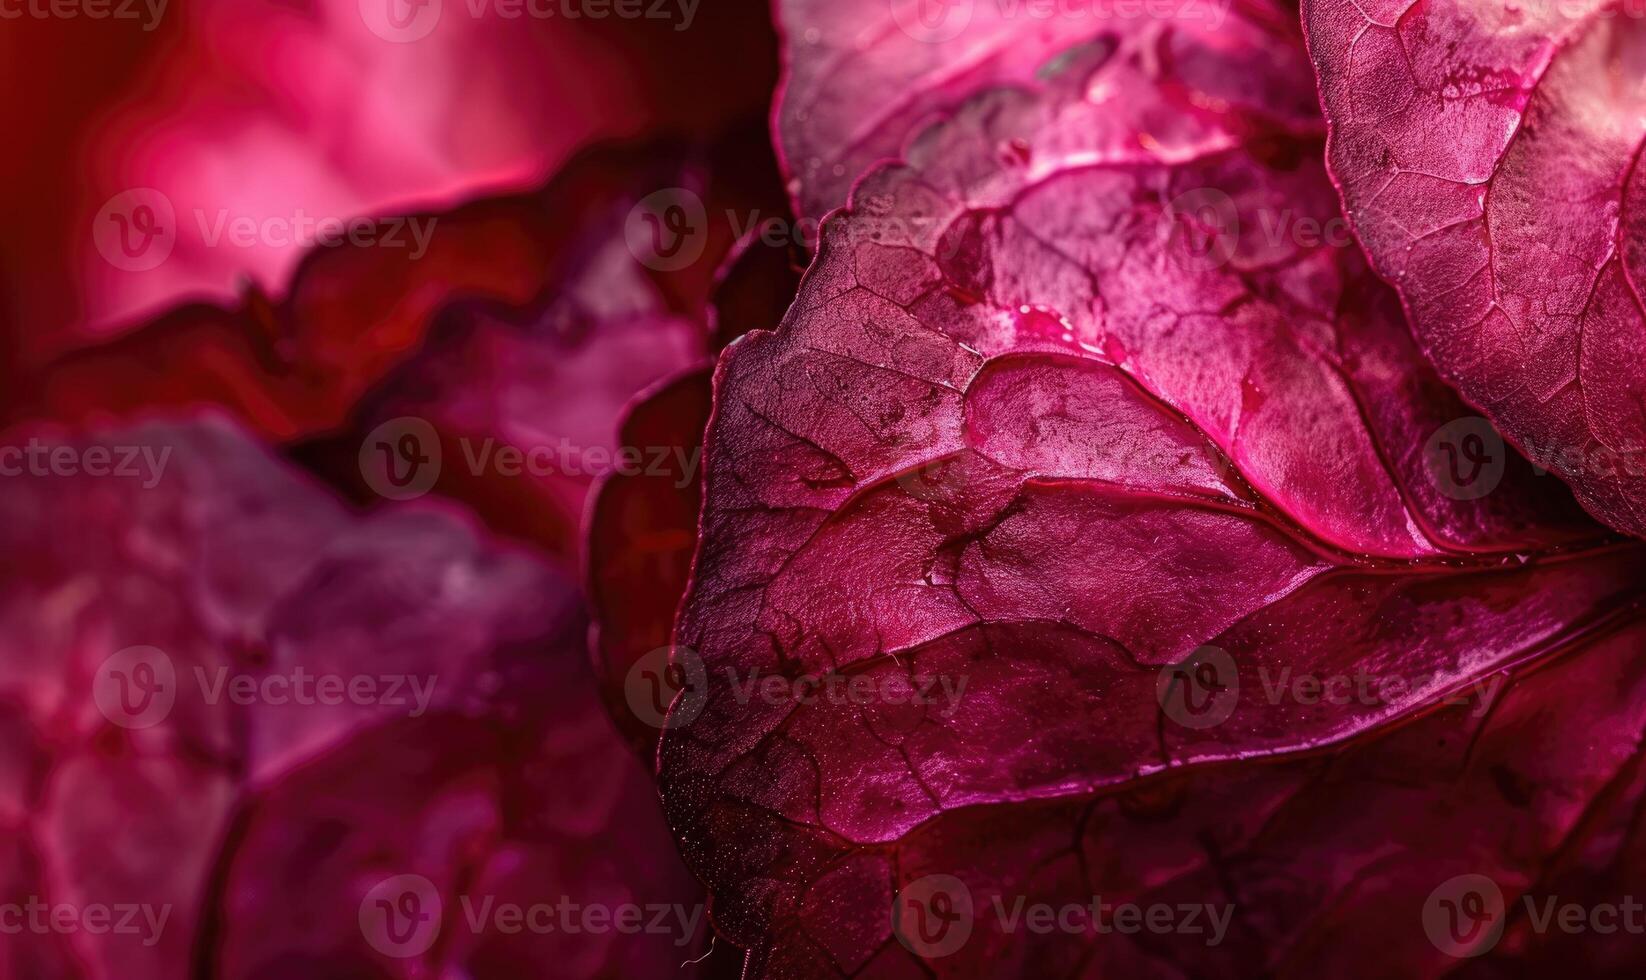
(170, 742)
(1355, 863)
(1049, 434)
(1488, 154)
(1178, 78)
(641, 530)
(520, 403)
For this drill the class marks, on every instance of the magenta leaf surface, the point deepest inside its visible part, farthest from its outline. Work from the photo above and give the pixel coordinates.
(170, 742)
(1489, 157)
(1050, 433)
(641, 527)
(641, 532)
(1336, 864)
(524, 400)
(862, 77)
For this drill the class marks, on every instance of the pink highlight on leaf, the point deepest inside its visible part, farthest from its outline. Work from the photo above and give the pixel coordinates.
(1488, 155)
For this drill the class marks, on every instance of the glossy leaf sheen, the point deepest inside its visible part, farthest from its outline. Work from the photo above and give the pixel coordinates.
(641, 530)
(264, 823)
(1489, 156)
(1324, 865)
(862, 77)
(1022, 427)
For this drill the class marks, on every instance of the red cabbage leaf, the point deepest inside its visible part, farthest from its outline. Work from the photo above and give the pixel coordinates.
(861, 77)
(136, 607)
(1046, 421)
(1489, 156)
